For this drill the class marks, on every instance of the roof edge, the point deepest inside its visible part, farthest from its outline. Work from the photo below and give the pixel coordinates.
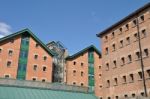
(124, 19)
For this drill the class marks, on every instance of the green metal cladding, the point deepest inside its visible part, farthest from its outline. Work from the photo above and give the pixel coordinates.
(30, 93)
(23, 57)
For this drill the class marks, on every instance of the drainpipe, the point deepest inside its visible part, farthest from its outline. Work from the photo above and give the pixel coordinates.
(141, 58)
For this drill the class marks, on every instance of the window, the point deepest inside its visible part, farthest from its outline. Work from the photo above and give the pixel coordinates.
(115, 63)
(100, 75)
(107, 66)
(131, 77)
(134, 22)
(146, 52)
(142, 94)
(120, 30)
(143, 33)
(10, 52)
(74, 63)
(82, 84)
(34, 79)
(100, 67)
(82, 73)
(133, 95)
(113, 34)
(140, 75)
(35, 67)
(43, 80)
(106, 38)
(81, 64)
(116, 97)
(7, 76)
(128, 40)
(142, 18)
(122, 61)
(113, 47)
(45, 58)
(124, 79)
(138, 55)
(8, 63)
(129, 58)
(127, 26)
(135, 37)
(44, 68)
(0, 50)
(74, 72)
(126, 96)
(121, 43)
(36, 45)
(108, 83)
(148, 72)
(106, 50)
(109, 98)
(74, 83)
(35, 56)
(115, 81)
(100, 86)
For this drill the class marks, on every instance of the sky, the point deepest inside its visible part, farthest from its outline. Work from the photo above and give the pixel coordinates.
(73, 22)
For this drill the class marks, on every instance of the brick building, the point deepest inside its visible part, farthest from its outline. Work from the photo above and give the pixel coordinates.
(23, 56)
(125, 47)
(80, 67)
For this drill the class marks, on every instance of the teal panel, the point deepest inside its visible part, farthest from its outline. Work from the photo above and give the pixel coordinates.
(29, 93)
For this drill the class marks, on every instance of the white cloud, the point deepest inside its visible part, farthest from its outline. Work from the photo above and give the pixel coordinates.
(5, 29)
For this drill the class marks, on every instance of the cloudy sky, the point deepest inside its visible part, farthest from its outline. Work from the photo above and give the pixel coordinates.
(73, 22)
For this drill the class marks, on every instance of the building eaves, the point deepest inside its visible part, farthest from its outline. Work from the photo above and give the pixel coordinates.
(31, 34)
(83, 51)
(123, 20)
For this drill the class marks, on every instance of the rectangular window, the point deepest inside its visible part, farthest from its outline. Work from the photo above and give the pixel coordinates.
(35, 67)
(107, 66)
(127, 26)
(113, 47)
(115, 81)
(129, 58)
(124, 79)
(81, 64)
(131, 77)
(74, 83)
(106, 50)
(148, 72)
(140, 75)
(10, 52)
(45, 58)
(141, 18)
(135, 37)
(82, 73)
(9, 63)
(108, 83)
(35, 56)
(113, 35)
(74, 72)
(74, 63)
(122, 61)
(121, 43)
(134, 22)
(7, 76)
(34, 79)
(128, 40)
(120, 29)
(36, 45)
(146, 54)
(143, 33)
(0, 50)
(44, 68)
(106, 39)
(115, 63)
(43, 80)
(137, 55)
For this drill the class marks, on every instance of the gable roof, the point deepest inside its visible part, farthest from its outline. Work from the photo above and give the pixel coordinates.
(91, 47)
(124, 19)
(32, 35)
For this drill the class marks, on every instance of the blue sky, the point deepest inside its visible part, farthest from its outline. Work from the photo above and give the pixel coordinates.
(73, 22)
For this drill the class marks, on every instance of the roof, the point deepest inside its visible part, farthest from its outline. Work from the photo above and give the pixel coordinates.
(32, 35)
(8, 92)
(85, 50)
(124, 19)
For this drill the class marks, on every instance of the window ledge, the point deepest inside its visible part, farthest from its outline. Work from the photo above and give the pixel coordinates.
(145, 57)
(129, 62)
(139, 79)
(124, 83)
(114, 67)
(116, 85)
(131, 81)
